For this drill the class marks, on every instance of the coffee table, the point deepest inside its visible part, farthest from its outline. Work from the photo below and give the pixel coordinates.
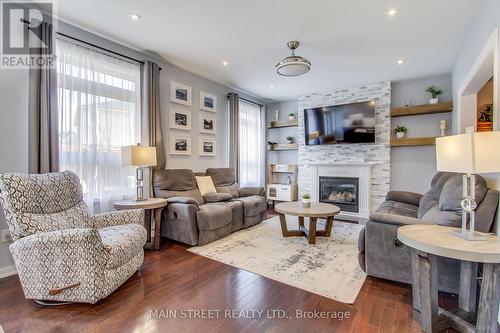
(317, 209)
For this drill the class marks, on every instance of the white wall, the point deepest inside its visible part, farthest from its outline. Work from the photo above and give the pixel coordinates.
(485, 21)
(412, 168)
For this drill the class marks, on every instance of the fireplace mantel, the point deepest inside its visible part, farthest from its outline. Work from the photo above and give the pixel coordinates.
(360, 170)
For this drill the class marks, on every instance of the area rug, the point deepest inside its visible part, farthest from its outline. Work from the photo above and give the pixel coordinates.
(328, 268)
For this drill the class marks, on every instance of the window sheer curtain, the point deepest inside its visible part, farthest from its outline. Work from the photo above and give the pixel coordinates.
(99, 112)
(251, 145)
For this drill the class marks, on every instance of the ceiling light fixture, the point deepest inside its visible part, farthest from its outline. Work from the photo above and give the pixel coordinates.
(392, 12)
(135, 17)
(293, 65)
(271, 87)
(401, 61)
(225, 63)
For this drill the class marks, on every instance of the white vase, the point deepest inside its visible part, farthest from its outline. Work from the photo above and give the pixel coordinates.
(306, 203)
(291, 117)
(400, 135)
(434, 100)
(290, 142)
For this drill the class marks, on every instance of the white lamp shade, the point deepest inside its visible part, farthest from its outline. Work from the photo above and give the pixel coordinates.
(138, 156)
(471, 153)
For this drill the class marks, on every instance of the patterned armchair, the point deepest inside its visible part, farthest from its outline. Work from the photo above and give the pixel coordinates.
(61, 252)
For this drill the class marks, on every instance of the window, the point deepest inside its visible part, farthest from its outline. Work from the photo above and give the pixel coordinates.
(251, 147)
(99, 112)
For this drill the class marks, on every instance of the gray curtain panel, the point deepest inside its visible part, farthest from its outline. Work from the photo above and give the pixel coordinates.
(43, 112)
(152, 107)
(234, 110)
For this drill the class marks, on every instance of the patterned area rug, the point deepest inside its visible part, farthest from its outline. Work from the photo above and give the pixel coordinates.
(328, 268)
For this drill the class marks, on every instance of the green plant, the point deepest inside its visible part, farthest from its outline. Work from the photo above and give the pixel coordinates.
(271, 143)
(289, 138)
(306, 196)
(434, 91)
(291, 114)
(400, 129)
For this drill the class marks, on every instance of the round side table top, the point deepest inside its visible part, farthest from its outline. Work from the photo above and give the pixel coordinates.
(317, 209)
(437, 240)
(150, 203)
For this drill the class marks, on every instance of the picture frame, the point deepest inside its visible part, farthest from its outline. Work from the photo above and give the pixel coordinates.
(208, 146)
(180, 93)
(208, 124)
(180, 119)
(208, 102)
(180, 144)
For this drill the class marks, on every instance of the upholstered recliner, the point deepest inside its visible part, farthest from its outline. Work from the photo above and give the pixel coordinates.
(61, 252)
(382, 255)
(195, 219)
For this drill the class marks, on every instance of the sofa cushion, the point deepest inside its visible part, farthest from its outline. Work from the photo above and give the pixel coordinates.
(221, 176)
(438, 182)
(122, 243)
(230, 189)
(205, 185)
(452, 193)
(427, 202)
(253, 205)
(217, 197)
(398, 208)
(213, 216)
(446, 218)
(174, 179)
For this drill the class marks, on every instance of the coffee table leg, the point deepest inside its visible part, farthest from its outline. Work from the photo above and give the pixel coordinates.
(312, 230)
(284, 229)
(329, 225)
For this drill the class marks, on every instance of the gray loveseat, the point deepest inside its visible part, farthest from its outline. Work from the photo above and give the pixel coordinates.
(195, 219)
(382, 255)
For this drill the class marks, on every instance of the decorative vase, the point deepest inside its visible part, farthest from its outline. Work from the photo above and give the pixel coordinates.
(306, 203)
(400, 135)
(270, 147)
(290, 142)
(434, 100)
(291, 117)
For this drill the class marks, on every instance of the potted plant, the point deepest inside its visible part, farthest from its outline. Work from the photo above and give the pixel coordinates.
(400, 132)
(291, 116)
(435, 92)
(270, 145)
(289, 139)
(306, 200)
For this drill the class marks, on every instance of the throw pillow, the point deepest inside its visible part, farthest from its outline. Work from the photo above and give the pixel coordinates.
(205, 185)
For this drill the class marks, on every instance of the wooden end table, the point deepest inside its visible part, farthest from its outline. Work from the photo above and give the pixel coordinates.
(430, 241)
(317, 209)
(152, 209)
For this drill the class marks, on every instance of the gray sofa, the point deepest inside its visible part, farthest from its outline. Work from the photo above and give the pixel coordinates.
(197, 220)
(382, 255)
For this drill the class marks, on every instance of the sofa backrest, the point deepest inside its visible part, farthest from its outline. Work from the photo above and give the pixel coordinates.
(224, 180)
(41, 203)
(441, 204)
(176, 183)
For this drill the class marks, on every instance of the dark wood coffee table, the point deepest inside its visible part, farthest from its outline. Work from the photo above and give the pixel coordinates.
(317, 209)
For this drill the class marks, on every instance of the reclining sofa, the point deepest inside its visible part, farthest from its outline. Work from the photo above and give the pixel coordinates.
(197, 220)
(382, 255)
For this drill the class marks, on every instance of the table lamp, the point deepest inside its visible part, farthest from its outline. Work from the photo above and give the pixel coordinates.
(470, 154)
(139, 156)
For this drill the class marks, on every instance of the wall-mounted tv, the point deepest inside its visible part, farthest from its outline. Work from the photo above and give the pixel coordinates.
(346, 123)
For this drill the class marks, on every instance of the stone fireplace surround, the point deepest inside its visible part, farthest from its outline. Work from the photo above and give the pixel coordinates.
(374, 156)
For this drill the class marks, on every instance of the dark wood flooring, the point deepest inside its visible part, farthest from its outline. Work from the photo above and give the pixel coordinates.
(175, 279)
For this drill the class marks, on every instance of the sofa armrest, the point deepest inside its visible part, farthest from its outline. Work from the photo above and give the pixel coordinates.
(119, 217)
(182, 200)
(50, 260)
(217, 197)
(395, 219)
(249, 191)
(410, 198)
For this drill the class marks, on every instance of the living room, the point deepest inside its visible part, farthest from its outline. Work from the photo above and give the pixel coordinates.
(250, 167)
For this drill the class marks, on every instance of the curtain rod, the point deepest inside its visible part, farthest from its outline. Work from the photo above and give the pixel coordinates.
(102, 48)
(249, 101)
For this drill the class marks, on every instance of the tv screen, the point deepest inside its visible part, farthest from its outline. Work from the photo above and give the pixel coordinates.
(347, 123)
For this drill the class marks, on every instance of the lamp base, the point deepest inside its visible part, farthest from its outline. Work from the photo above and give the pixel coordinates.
(470, 236)
(140, 199)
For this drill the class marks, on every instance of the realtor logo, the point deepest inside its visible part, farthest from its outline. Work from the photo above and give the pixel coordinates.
(27, 34)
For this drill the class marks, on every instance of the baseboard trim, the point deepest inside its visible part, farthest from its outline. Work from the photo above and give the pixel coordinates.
(7, 271)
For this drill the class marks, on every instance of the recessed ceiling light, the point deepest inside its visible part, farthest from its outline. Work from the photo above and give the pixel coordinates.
(135, 17)
(401, 61)
(225, 63)
(392, 12)
(271, 87)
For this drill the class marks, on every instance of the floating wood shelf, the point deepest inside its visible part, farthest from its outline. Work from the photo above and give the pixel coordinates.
(422, 109)
(283, 123)
(409, 142)
(284, 146)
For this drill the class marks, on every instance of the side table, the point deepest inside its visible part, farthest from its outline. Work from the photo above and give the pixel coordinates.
(430, 241)
(153, 208)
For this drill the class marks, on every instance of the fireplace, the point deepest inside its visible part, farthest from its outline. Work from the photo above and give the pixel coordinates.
(340, 191)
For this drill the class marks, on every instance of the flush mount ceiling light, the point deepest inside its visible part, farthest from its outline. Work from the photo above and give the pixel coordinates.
(293, 65)
(400, 61)
(392, 12)
(135, 17)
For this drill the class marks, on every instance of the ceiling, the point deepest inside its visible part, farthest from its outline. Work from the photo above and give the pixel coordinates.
(348, 42)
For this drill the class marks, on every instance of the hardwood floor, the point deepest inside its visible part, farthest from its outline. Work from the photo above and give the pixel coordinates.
(177, 280)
